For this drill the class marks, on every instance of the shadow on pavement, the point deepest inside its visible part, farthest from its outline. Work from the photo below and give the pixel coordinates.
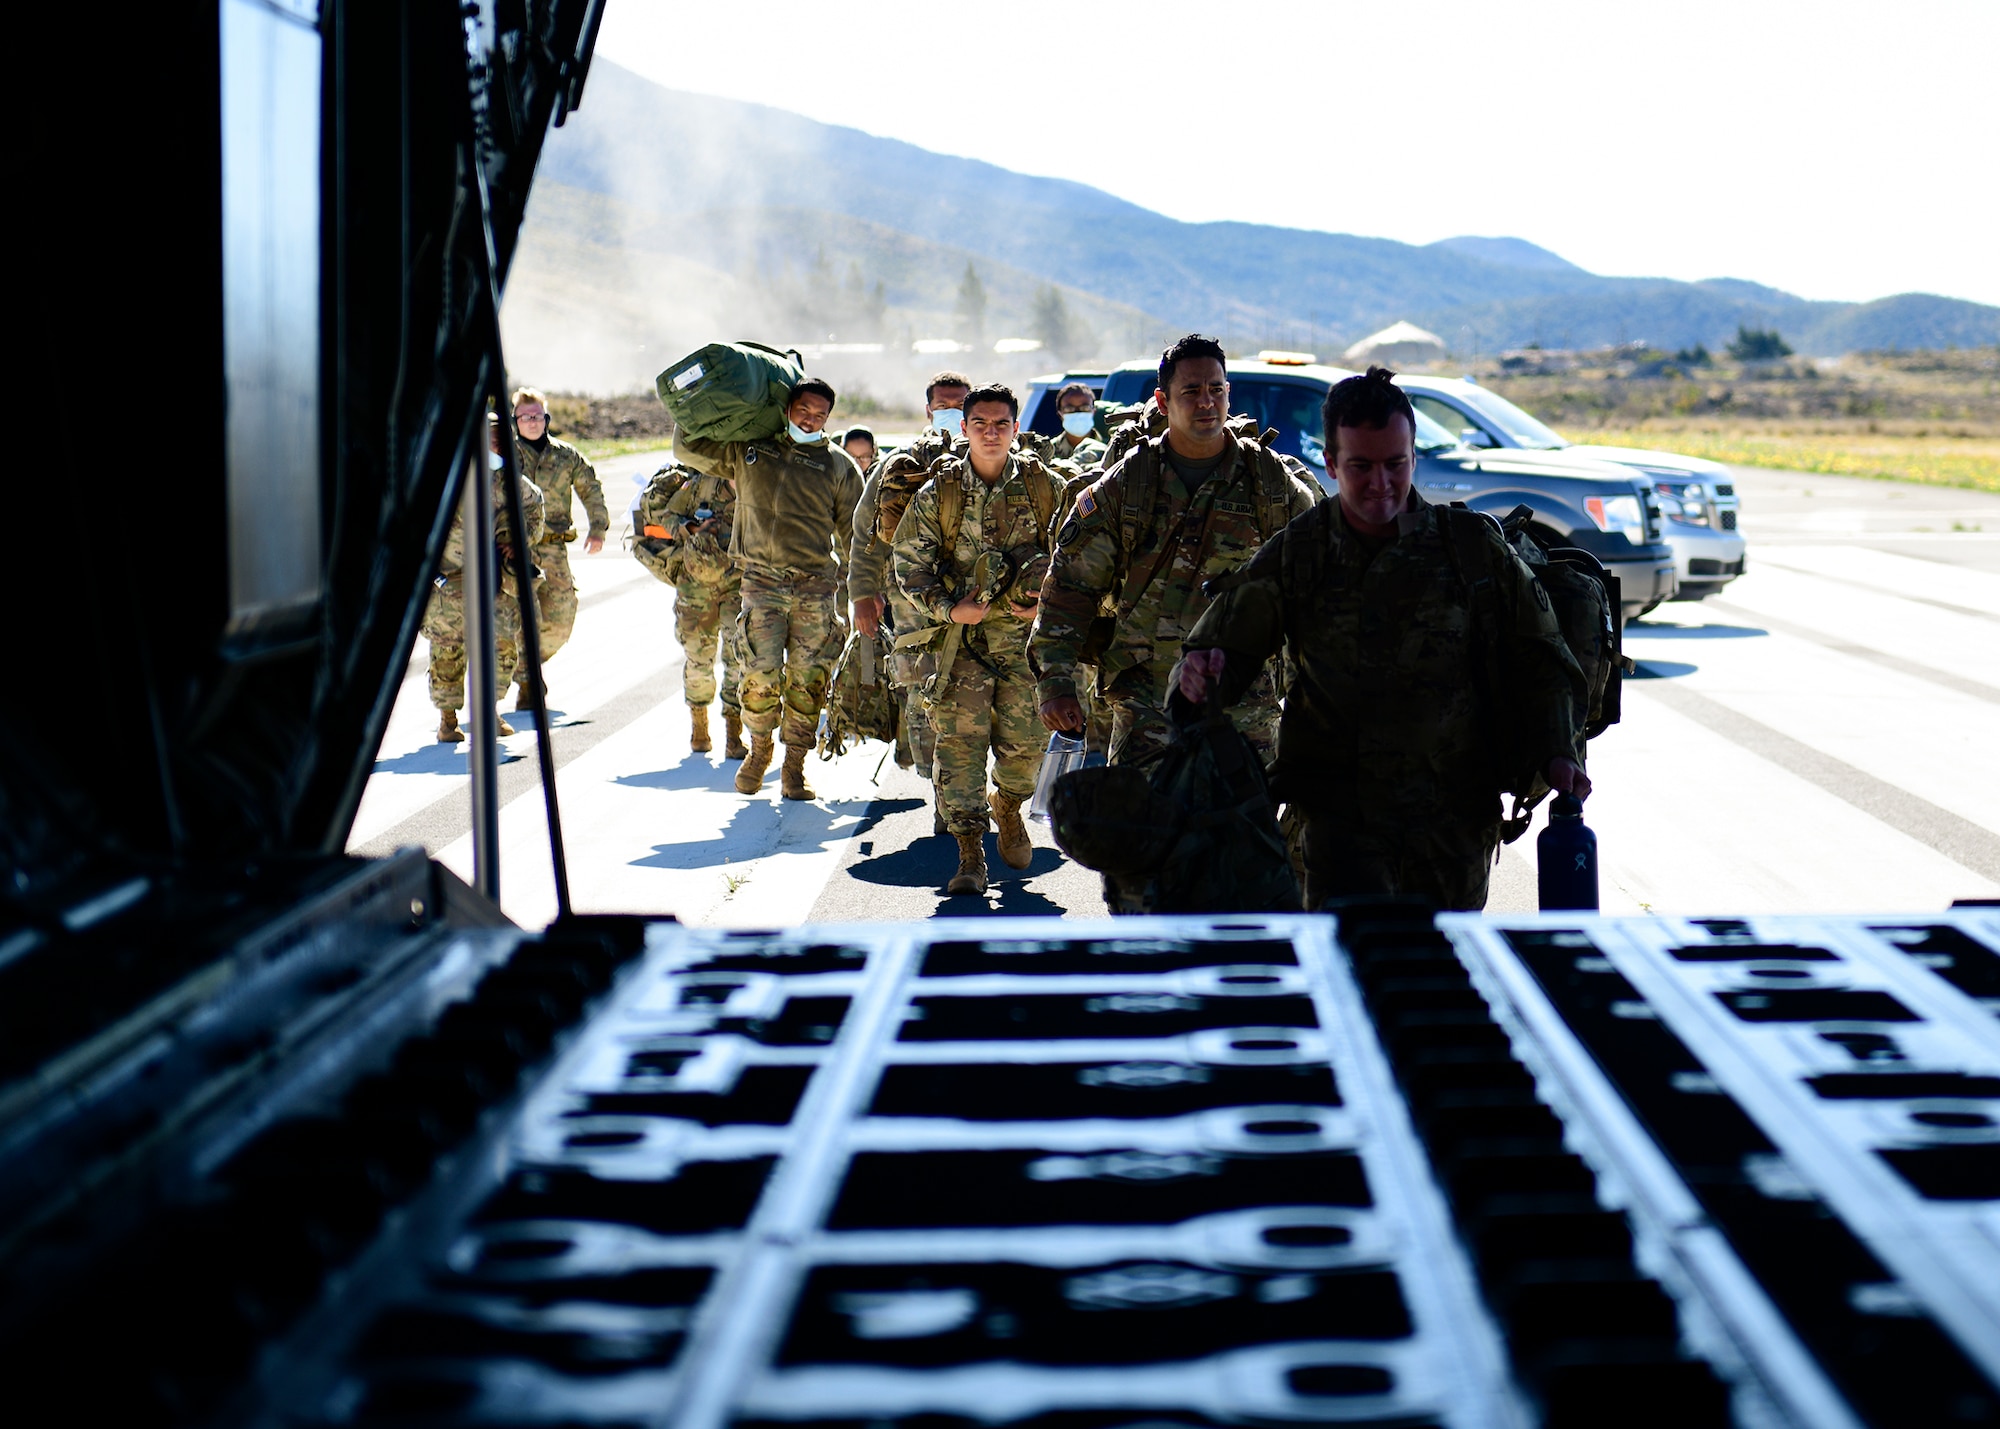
(558, 719)
(757, 827)
(693, 772)
(1661, 670)
(1650, 631)
(880, 809)
(436, 759)
(1015, 899)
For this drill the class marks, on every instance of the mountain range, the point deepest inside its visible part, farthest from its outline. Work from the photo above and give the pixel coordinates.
(713, 205)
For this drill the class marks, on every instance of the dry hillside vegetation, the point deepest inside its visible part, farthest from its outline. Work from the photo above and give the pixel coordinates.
(1931, 417)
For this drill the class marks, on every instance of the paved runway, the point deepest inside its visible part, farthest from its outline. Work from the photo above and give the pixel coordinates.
(1823, 736)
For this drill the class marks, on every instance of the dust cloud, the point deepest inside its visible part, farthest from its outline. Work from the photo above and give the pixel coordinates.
(661, 221)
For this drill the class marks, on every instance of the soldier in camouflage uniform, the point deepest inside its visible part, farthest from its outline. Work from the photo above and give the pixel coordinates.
(870, 583)
(558, 469)
(682, 530)
(1079, 444)
(1177, 510)
(969, 554)
(1387, 753)
(444, 618)
(796, 493)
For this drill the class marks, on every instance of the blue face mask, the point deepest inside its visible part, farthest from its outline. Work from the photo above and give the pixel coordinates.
(948, 419)
(803, 437)
(1078, 424)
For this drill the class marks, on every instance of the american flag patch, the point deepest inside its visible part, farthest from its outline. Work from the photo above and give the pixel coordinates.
(1086, 505)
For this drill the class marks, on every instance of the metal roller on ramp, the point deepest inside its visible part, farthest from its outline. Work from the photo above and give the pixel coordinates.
(1368, 1169)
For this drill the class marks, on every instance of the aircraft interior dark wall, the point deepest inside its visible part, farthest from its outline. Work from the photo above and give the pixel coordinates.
(206, 719)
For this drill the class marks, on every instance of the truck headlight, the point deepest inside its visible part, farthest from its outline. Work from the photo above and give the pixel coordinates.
(1683, 501)
(1620, 514)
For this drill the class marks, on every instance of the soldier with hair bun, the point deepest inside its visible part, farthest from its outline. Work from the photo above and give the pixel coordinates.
(557, 469)
(1391, 739)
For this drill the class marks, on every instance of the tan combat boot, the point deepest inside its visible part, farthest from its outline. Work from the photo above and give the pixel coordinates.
(500, 725)
(698, 739)
(732, 734)
(750, 778)
(1009, 832)
(792, 778)
(448, 730)
(523, 701)
(971, 875)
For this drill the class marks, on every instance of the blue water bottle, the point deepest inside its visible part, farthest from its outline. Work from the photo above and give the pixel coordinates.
(1567, 855)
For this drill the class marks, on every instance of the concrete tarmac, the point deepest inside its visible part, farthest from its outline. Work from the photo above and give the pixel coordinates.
(1824, 735)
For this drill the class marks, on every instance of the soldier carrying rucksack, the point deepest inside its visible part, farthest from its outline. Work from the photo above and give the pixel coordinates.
(1182, 507)
(680, 532)
(969, 556)
(1433, 671)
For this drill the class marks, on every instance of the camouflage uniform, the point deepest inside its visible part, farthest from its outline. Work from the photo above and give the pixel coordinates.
(1096, 712)
(794, 522)
(557, 469)
(987, 699)
(708, 590)
(1109, 552)
(1387, 760)
(444, 618)
(887, 497)
(1087, 455)
(868, 574)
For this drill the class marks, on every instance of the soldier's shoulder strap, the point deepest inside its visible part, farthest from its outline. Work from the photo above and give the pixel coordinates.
(1137, 480)
(1468, 543)
(1042, 495)
(1274, 487)
(949, 479)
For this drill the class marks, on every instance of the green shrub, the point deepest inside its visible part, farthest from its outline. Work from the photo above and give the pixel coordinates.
(1755, 344)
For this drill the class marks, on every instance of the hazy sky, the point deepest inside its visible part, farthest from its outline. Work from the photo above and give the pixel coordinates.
(1836, 149)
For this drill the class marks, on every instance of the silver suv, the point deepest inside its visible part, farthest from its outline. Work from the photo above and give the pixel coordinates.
(1697, 497)
(1606, 509)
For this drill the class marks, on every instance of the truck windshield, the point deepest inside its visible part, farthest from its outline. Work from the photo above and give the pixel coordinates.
(1522, 430)
(1293, 408)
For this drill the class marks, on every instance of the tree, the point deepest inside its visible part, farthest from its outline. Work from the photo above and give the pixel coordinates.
(970, 309)
(1755, 344)
(1050, 319)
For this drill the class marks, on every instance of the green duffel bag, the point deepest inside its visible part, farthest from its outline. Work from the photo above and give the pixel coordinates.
(730, 391)
(1109, 818)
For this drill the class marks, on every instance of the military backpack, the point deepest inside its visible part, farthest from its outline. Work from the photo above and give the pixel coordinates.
(903, 475)
(925, 656)
(1585, 599)
(664, 538)
(859, 702)
(730, 391)
(1140, 487)
(1191, 830)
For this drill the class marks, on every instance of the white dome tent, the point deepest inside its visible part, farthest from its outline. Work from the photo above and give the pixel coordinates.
(1398, 343)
